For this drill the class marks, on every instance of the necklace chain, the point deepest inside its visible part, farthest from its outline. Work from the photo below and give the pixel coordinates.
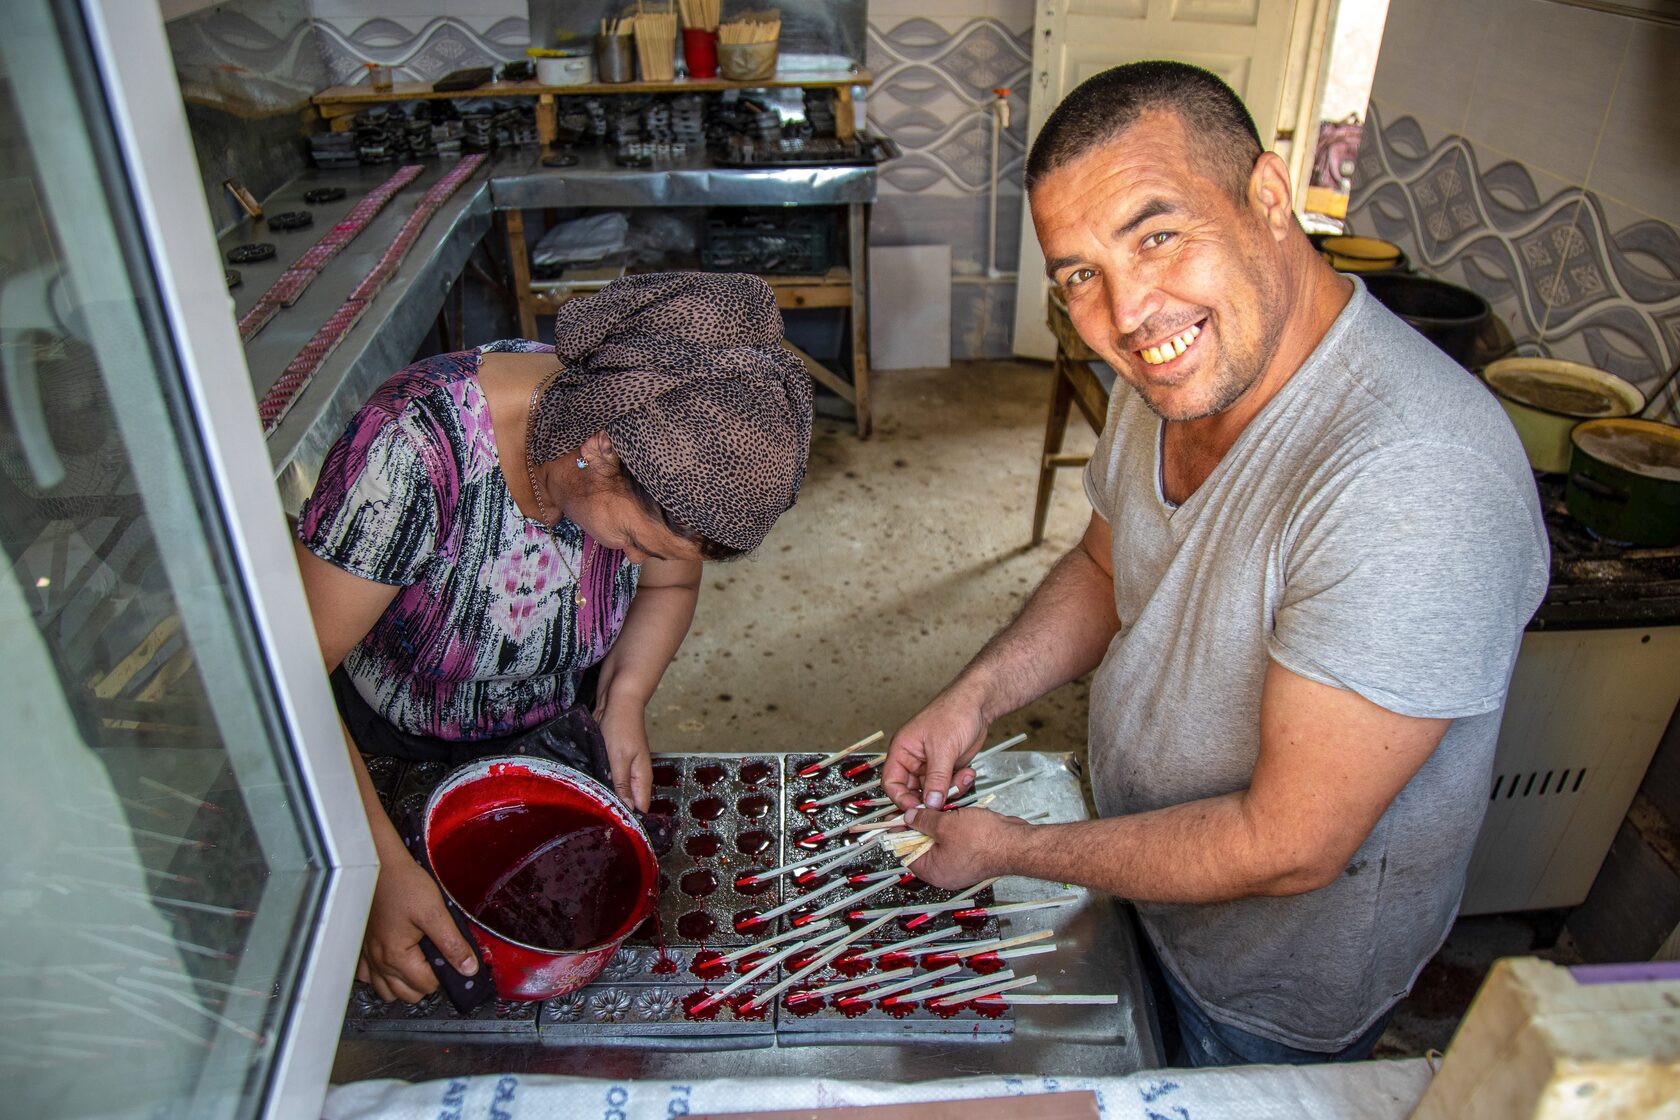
(536, 491)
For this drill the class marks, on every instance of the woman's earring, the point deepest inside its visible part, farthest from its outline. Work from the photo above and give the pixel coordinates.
(582, 463)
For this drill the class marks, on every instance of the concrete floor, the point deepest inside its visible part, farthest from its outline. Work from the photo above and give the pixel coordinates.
(904, 554)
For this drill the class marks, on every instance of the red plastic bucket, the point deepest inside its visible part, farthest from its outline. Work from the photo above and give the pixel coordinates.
(700, 52)
(533, 852)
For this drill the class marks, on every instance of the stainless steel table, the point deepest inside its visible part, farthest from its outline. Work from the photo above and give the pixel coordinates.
(1096, 953)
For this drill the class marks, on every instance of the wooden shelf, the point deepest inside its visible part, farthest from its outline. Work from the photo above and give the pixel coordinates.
(335, 100)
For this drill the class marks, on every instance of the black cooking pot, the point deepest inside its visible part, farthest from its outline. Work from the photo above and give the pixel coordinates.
(1449, 316)
(1624, 481)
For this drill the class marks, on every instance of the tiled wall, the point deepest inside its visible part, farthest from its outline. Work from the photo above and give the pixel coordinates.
(1531, 151)
(935, 64)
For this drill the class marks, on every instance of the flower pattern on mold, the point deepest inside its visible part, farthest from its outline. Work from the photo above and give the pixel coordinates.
(610, 1006)
(565, 1009)
(657, 1004)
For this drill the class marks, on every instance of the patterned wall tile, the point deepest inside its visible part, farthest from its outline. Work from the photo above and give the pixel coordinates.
(420, 49)
(1570, 273)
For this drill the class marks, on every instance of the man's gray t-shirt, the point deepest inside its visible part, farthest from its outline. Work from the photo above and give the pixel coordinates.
(1374, 528)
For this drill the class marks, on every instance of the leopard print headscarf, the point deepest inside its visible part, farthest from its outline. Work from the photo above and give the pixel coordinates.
(685, 373)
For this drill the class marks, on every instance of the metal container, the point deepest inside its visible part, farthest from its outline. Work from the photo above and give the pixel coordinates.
(1449, 316)
(1624, 481)
(1546, 398)
(493, 785)
(1361, 254)
(747, 62)
(615, 58)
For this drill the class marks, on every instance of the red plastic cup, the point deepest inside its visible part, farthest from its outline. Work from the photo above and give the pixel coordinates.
(700, 52)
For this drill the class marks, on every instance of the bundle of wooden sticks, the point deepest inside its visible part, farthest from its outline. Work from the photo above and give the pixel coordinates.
(752, 27)
(656, 42)
(701, 15)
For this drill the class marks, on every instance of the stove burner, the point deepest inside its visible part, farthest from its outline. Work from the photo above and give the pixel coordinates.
(290, 220)
(251, 252)
(323, 194)
(231, 275)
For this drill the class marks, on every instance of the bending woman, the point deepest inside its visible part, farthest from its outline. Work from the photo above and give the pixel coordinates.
(496, 522)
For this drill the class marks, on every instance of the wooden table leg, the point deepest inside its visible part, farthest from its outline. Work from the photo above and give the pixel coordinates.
(519, 261)
(857, 242)
(1055, 427)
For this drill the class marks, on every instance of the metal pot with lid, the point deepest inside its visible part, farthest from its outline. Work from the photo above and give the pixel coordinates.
(1624, 481)
(1546, 398)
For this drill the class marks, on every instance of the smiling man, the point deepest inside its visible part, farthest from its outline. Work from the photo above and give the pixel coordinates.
(1314, 545)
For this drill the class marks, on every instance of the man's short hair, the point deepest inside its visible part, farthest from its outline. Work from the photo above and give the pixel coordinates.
(1104, 106)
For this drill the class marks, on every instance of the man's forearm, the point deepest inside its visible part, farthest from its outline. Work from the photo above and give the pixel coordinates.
(1061, 633)
(1209, 850)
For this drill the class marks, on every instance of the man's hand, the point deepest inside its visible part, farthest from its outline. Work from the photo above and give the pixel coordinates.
(407, 905)
(968, 845)
(624, 727)
(926, 761)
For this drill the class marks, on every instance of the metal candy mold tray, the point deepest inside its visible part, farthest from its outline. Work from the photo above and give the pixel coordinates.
(641, 995)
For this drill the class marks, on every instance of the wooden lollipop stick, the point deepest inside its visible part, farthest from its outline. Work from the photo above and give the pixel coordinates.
(766, 965)
(863, 878)
(798, 933)
(884, 989)
(864, 787)
(937, 990)
(913, 981)
(842, 903)
(1013, 740)
(923, 919)
(907, 943)
(817, 864)
(858, 768)
(821, 962)
(964, 948)
(830, 759)
(795, 903)
(991, 989)
(1031, 998)
(1021, 907)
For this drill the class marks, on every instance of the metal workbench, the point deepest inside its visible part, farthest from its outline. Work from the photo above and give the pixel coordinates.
(384, 340)
(1096, 953)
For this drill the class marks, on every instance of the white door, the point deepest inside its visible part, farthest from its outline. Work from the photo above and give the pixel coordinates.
(184, 863)
(1248, 43)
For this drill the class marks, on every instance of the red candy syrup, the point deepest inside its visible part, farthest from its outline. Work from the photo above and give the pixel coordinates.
(697, 925)
(666, 965)
(756, 886)
(706, 964)
(989, 1006)
(939, 960)
(800, 960)
(754, 805)
(849, 964)
(702, 845)
(970, 919)
(698, 883)
(753, 842)
(810, 808)
(857, 769)
(802, 1002)
(898, 1008)
(666, 774)
(691, 1005)
(706, 808)
(708, 775)
(811, 841)
(891, 962)
(662, 807)
(744, 920)
(912, 885)
(545, 875)
(752, 773)
(739, 1001)
(851, 1006)
(987, 963)
(945, 1009)
(749, 962)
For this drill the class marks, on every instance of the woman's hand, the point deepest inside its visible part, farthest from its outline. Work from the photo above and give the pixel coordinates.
(624, 726)
(407, 905)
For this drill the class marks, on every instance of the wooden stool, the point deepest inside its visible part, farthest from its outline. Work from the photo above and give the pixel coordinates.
(1074, 380)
